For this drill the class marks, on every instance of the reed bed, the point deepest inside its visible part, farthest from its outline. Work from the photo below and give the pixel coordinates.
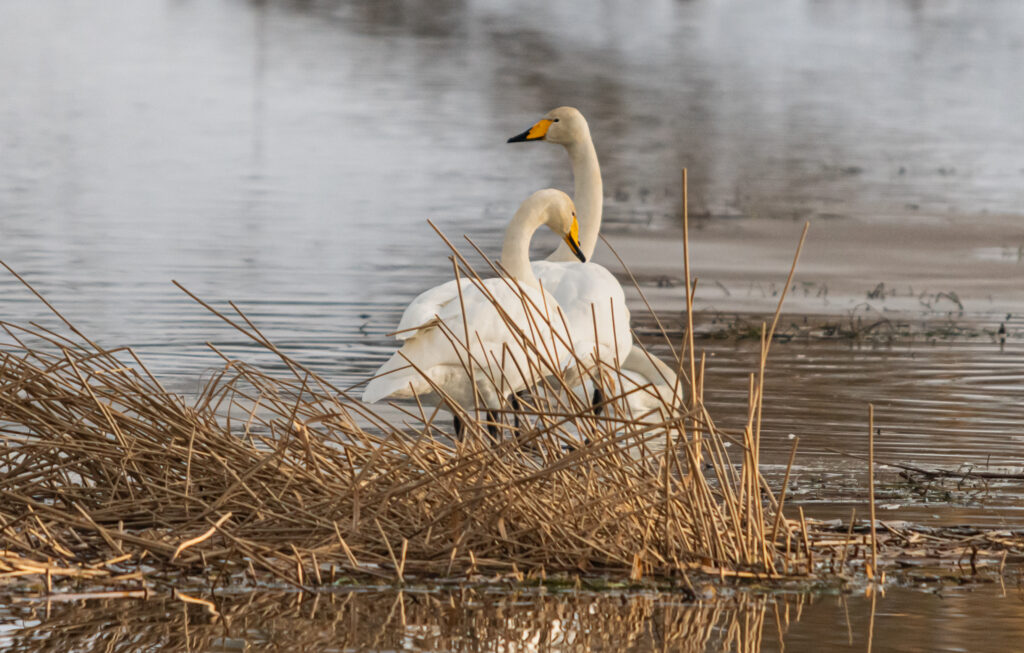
(283, 477)
(106, 474)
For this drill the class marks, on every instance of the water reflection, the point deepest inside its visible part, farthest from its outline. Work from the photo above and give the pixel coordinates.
(937, 405)
(481, 619)
(802, 110)
(445, 620)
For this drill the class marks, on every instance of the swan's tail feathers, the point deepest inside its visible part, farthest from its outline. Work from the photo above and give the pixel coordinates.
(376, 390)
(395, 378)
(655, 371)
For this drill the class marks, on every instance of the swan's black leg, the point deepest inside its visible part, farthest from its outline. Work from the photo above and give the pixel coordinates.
(597, 401)
(492, 424)
(516, 406)
(459, 426)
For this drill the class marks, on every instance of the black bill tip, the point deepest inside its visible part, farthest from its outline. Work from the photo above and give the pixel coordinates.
(577, 251)
(520, 138)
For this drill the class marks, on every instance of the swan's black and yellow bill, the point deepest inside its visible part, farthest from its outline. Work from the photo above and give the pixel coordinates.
(535, 133)
(572, 239)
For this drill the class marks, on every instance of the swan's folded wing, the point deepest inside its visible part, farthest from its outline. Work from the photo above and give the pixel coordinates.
(422, 311)
(487, 324)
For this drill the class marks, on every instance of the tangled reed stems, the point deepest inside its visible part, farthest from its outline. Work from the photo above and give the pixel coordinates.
(104, 473)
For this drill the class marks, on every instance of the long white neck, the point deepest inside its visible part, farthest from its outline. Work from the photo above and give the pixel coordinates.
(588, 194)
(515, 252)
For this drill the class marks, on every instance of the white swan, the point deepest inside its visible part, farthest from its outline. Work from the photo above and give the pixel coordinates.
(567, 127)
(432, 361)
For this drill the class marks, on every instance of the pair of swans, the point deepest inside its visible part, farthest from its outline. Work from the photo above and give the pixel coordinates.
(467, 341)
(648, 383)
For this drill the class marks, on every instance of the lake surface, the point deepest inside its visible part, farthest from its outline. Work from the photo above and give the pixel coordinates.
(286, 155)
(290, 152)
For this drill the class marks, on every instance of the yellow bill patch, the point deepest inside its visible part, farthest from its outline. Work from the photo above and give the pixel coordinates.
(539, 130)
(572, 239)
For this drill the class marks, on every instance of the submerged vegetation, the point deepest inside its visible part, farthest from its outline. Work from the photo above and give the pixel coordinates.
(867, 327)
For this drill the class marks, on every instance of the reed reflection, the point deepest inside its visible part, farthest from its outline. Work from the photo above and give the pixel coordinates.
(464, 619)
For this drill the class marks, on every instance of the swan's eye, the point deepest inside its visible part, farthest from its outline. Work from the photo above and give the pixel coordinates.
(555, 120)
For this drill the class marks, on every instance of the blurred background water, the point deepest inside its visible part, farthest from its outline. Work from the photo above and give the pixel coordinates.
(287, 154)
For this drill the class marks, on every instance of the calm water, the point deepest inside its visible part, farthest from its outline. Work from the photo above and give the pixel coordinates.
(286, 155)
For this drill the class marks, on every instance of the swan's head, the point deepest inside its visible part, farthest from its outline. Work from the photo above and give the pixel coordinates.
(559, 213)
(564, 126)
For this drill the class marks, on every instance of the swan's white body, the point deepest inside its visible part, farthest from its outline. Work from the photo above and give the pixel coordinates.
(433, 363)
(500, 360)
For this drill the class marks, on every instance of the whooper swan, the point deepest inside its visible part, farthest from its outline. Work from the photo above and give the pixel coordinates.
(566, 126)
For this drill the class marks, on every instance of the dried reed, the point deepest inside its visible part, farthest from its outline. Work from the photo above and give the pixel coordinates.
(271, 472)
